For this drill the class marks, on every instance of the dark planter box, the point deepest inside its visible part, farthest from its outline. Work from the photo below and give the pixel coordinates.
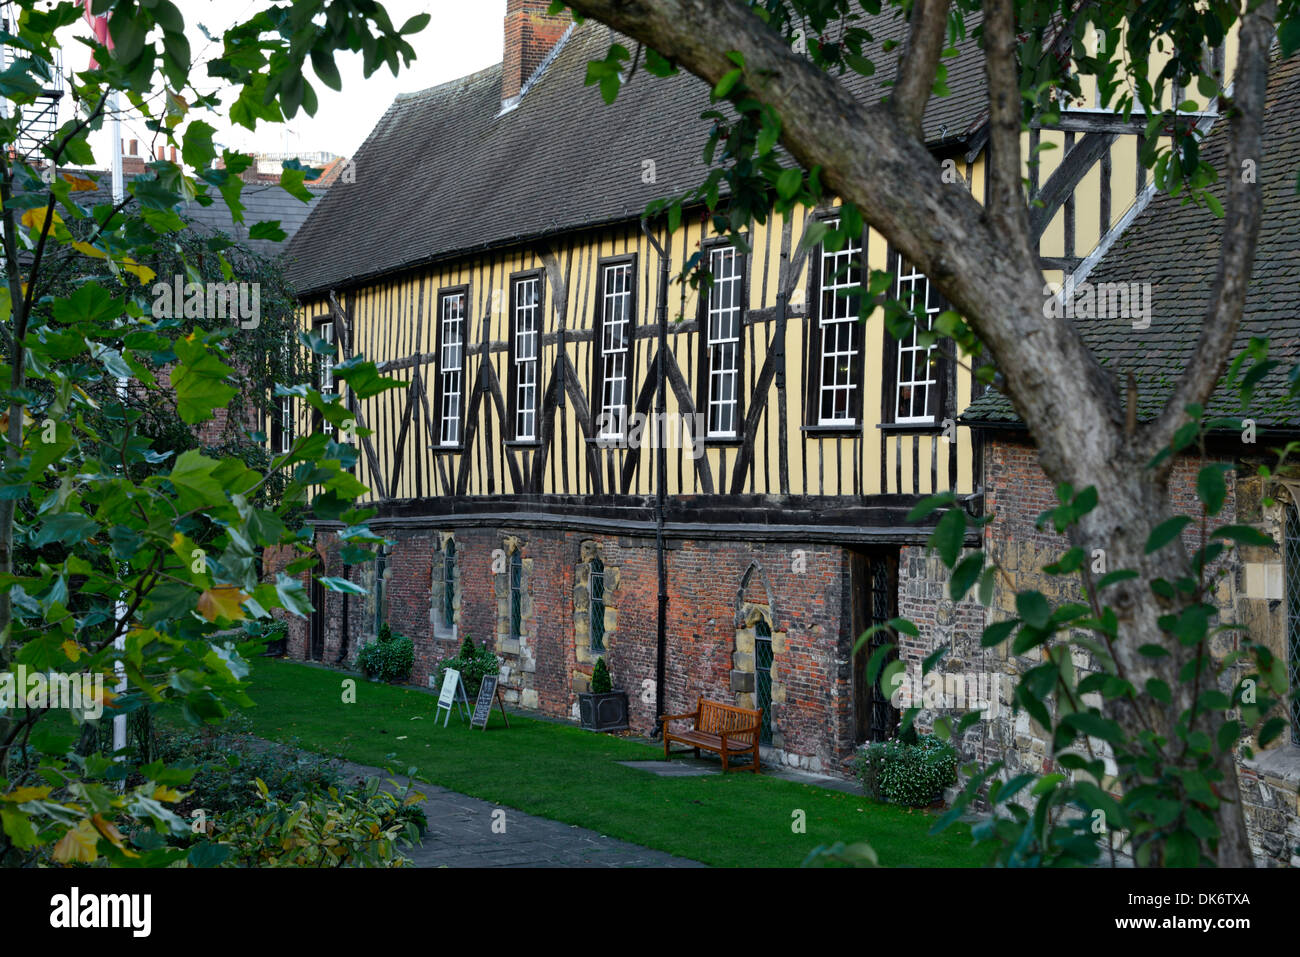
(603, 712)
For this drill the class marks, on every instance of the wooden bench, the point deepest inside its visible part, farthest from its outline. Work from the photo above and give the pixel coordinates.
(722, 728)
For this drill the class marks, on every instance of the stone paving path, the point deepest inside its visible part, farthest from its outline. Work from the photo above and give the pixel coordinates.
(461, 835)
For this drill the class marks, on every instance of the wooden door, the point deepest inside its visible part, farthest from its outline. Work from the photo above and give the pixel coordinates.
(874, 600)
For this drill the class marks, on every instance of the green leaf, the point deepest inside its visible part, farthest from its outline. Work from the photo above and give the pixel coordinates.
(65, 528)
(196, 487)
(1243, 535)
(727, 83)
(197, 149)
(965, 575)
(1288, 35)
(1112, 578)
(658, 65)
(1033, 608)
(291, 180)
(788, 183)
(1166, 532)
(199, 379)
(1159, 690)
(343, 585)
(89, 304)
(998, 632)
(292, 595)
(927, 506)
(948, 535)
(267, 229)
(1211, 488)
(363, 378)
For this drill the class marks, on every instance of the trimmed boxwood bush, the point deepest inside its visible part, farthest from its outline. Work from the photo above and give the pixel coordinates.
(391, 658)
(913, 774)
(600, 680)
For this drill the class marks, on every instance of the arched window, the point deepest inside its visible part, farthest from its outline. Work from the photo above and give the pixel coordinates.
(763, 675)
(516, 594)
(449, 583)
(444, 588)
(596, 587)
(381, 567)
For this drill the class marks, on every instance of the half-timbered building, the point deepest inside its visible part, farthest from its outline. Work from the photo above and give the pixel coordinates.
(490, 255)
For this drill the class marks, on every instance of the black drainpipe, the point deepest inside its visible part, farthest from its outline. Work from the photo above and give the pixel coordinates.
(661, 478)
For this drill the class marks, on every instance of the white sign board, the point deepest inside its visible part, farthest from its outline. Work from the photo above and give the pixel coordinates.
(449, 682)
(452, 694)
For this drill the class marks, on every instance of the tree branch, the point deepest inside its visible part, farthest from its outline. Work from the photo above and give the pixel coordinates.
(918, 66)
(868, 157)
(1006, 201)
(1240, 230)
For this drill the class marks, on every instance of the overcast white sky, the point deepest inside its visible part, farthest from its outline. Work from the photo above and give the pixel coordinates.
(463, 37)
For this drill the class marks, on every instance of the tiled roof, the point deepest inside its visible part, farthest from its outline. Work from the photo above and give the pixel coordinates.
(1174, 246)
(262, 202)
(443, 174)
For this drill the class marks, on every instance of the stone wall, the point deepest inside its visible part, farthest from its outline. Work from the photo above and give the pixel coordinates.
(1250, 592)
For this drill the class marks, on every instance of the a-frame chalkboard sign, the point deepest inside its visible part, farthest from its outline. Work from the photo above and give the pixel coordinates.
(487, 693)
(452, 694)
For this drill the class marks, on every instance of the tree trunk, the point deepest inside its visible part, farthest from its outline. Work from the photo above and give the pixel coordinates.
(981, 259)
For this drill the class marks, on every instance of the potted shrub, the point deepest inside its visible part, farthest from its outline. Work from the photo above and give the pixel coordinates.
(603, 708)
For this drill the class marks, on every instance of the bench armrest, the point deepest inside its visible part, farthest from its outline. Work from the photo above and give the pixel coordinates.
(676, 717)
(739, 731)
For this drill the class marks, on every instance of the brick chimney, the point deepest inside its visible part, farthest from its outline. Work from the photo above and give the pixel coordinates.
(530, 35)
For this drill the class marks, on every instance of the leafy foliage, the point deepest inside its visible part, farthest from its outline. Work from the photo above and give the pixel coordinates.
(123, 540)
(913, 774)
(227, 764)
(1172, 729)
(601, 683)
(360, 828)
(473, 663)
(390, 658)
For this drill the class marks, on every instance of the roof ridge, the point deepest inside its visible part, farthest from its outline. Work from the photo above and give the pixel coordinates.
(445, 84)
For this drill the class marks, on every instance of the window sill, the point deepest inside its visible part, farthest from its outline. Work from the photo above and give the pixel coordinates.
(523, 443)
(1282, 762)
(724, 440)
(913, 427)
(445, 634)
(847, 429)
(447, 449)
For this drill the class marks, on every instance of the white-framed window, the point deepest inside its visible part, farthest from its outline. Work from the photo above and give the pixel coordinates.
(722, 322)
(527, 303)
(327, 371)
(285, 434)
(451, 366)
(837, 321)
(615, 346)
(917, 389)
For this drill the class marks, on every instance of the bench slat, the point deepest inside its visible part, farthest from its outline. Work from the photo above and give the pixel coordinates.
(713, 719)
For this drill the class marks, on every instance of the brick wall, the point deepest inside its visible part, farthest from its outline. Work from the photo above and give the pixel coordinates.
(710, 585)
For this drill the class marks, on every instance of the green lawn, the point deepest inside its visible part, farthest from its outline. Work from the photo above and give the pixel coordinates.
(567, 774)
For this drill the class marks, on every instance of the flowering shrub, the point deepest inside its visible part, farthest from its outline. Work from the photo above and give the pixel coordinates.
(910, 774)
